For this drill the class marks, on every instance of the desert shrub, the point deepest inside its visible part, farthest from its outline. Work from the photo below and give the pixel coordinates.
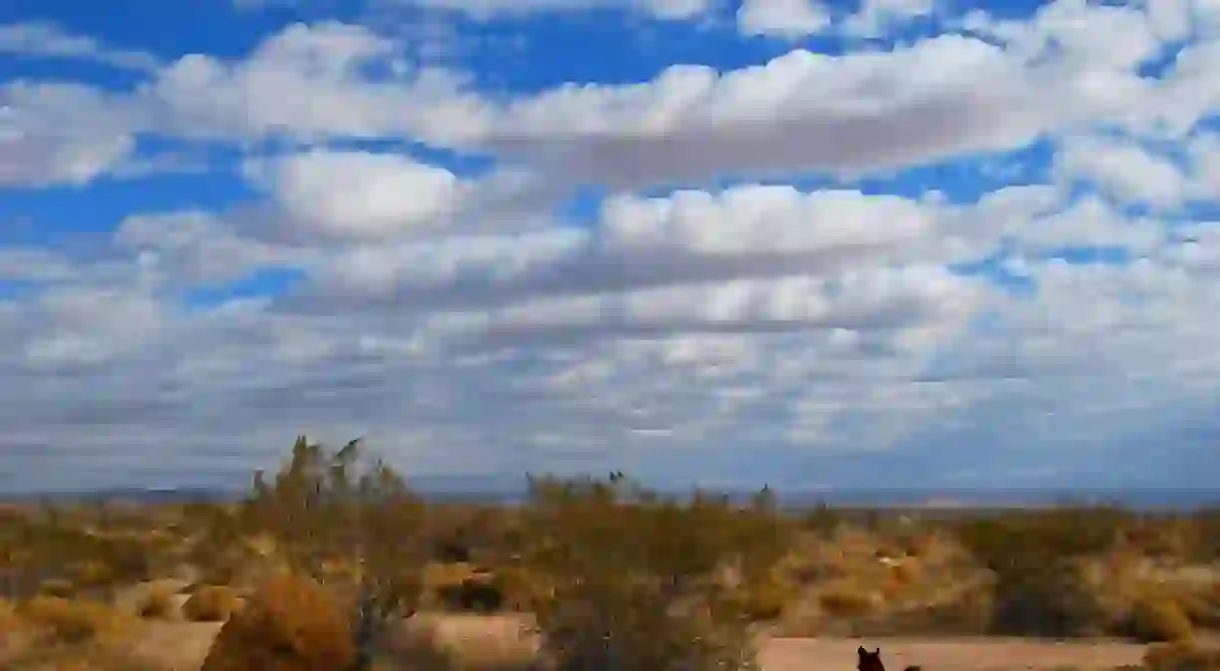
(211, 603)
(1202, 605)
(66, 621)
(57, 587)
(1181, 656)
(1053, 601)
(290, 624)
(523, 589)
(1156, 619)
(323, 507)
(765, 602)
(845, 598)
(1165, 537)
(967, 609)
(475, 593)
(1023, 541)
(1207, 525)
(156, 603)
(637, 581)
(1035, 556)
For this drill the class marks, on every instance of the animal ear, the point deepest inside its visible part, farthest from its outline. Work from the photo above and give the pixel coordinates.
(861, 651)
(877, 652)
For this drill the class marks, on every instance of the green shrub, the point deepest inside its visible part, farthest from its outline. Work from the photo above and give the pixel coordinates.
(638, 580)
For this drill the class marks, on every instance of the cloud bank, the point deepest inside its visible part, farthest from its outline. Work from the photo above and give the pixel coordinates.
(777, 242)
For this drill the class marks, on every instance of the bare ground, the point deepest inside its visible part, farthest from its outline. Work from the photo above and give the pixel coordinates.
(181, 647)
(961, 654)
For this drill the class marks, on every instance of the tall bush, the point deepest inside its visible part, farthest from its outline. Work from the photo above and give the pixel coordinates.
(638, 581)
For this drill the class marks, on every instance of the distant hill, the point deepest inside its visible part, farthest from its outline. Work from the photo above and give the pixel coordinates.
(479, 490)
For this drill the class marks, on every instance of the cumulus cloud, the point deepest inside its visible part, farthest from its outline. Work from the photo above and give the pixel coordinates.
(357, 194)
(846, 115)
(785, 18)
(776, 271)
(1124, 170)
(795, 19)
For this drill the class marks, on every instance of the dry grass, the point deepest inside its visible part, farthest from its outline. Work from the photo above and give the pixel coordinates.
(61, 620)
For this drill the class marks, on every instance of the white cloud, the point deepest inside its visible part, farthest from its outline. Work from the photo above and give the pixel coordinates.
(192, 247)
(39, 161)
(875, 16)
(782, 18)
(35, 38)
(488, 9)
(358, 194)
(480, 313)
(309, 82)
(850, 114)
(1125, 170)
(46, 137)
(746, 232)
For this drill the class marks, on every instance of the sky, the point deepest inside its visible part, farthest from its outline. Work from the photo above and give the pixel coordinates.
(911, 243)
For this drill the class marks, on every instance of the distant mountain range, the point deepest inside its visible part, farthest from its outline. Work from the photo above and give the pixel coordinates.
(462, 489)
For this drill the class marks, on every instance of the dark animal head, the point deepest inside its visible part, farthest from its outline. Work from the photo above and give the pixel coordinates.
(869, 661)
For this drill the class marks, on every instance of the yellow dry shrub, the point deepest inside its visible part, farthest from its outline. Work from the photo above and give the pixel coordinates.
(211, 603)
(157, 603)
(766, 602)
(68, 621)
(905, 573)
(1181, 656)
(845, 598)
(1157, 619)
(56, 587)
(8, 613)
(523, 589)
(290, 624)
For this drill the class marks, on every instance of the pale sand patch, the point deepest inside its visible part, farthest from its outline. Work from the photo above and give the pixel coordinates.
(958, 654)
(176, 646)
(180, 646)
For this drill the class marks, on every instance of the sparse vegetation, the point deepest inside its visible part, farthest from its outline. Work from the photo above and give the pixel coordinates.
(611, 575)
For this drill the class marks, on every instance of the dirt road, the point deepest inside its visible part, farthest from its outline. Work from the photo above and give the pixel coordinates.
(181, 647)
(965, 654)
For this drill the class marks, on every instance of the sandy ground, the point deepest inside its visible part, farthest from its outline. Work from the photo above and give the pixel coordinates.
(182, 647)
(177, 646)
(973, 654)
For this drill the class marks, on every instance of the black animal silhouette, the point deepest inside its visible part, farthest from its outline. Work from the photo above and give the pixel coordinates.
(871, 661)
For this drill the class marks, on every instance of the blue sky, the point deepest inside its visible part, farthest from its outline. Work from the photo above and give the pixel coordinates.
(725, 241)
